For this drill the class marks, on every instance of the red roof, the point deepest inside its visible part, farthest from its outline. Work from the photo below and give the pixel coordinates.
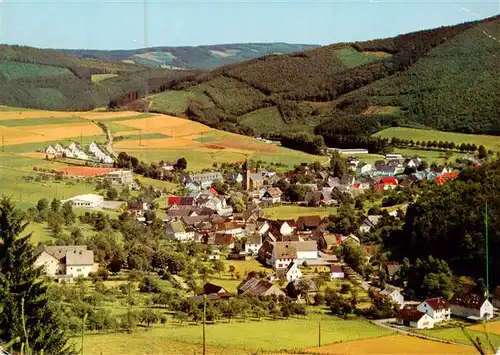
(356, 186)
(437, 303)
(439, 180)
(388, 181)
(378, 187)
(451, 176)
(212, 191)
(174, 200)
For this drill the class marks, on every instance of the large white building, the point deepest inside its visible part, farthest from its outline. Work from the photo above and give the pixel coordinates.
(471, 306)
(71, 261)
(438, 308)
(86, 201)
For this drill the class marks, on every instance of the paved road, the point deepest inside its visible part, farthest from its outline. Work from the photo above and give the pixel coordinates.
(383, 323)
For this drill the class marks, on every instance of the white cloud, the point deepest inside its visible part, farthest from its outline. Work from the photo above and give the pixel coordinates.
(475, 14)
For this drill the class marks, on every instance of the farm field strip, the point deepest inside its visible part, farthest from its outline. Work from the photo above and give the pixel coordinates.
(490, 142)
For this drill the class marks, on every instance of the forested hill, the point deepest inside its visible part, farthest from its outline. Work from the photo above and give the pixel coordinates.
(445, 78)
(46, 79)
(193, 58)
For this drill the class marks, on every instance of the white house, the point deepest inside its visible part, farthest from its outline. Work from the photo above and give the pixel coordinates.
(100, 154)
(414, 318)
(59, 148)
(286, 229)
(394, 294)
(393, 156)
(68, 153)
(230, 228)
(336, 272)
(80, 154)
(253, 243)
(284, 253)
(74, 146)
(291, 273)
(50, 150)
(364, 168)
(177, 231)
(272, 195)
(471, 306)
(438, 308)
(120, 177)
(71, 261)
(86, 201)
(368, 223)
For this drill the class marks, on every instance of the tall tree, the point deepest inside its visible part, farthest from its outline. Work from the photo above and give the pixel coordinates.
(338, 165)
(20, 282)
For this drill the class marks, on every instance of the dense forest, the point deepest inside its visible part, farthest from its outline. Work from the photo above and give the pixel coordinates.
(448, 222)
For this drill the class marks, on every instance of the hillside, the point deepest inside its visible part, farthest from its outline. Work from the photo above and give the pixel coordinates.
(45, 79)
(442, 78)
(199, 57)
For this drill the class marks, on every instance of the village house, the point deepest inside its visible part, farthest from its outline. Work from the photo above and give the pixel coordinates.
(86, 201)
(392, 269)
(257, 287)
(209, 288)
(99, 153)
(272, 195)
(224, 240)
(69, 261)
(394, 294)
(411, 317)
(290, 273)
(59, 148)
(120, 177)
(253, 181)
(280, 254)
(253, 243)
(230, 228)
(438, 308)
(336, 272)
(369, 222)
(176, 230)
(295, 289)
(308, 223)
(51, 150)
(471, 306)
(364, 168)
(204, 180)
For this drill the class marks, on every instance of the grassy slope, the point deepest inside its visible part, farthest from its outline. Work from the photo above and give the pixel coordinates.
(279, 335)
(457, 335)
(490, 142)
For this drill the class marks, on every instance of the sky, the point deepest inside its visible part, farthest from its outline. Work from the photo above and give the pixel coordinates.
(128, 24)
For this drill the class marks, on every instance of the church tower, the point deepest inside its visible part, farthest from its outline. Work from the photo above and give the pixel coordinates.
(246, 176)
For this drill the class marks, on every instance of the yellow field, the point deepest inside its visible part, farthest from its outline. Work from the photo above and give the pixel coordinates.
(395, 344)
(493, 327)
(202, 146)
(168, 125)
(46, 133)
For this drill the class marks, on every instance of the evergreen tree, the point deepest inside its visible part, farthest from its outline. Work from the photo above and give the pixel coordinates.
(55, 205)
(20, 282)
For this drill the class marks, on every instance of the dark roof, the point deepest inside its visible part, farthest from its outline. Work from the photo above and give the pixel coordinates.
(310, 221)
(211, 297)
(211, 288)
(410, 314)
(224, 239)
(336, 268)
(254, 287)
(437, 303)
(469, 300)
